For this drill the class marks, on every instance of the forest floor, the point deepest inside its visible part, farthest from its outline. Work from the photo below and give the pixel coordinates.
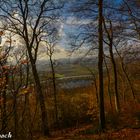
(86, 133)
(125, 126)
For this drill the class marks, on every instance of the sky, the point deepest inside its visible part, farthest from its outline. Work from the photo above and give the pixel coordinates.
(118, 1)
(72, 22)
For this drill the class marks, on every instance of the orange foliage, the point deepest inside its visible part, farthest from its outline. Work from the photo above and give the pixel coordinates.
(25, 61)
(6, 67)
(1, 100)
(1, 33)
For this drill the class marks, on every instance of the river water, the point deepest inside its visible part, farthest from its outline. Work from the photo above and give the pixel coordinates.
(75, 83)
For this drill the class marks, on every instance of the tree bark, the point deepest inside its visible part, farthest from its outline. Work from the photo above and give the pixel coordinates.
(117, 104)
(108, 76)
(41, 98)
(100, 68)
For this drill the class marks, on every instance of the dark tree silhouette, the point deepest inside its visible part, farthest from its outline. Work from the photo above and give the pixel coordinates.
(100, 67)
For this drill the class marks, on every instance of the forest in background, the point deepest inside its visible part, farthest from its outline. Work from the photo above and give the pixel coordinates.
(93, 93)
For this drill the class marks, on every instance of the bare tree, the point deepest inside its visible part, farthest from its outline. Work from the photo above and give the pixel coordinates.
(51, 49)
(131, 11)
(31, 20)
(110, 37)
(91, 32)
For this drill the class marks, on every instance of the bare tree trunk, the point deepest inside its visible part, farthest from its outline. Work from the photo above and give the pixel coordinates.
(100, 68)
(108, 75)
(110, 44)
(125, 73)
(128, 79)
(54, 91)
(117, 104)
(41, 99)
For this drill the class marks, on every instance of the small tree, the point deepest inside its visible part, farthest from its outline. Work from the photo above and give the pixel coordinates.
(51, 48)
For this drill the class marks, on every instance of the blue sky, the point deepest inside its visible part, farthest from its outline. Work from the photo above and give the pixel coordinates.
(72, 22)
(118, 1)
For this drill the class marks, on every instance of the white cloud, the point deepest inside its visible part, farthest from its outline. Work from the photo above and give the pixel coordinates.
(59, 52)
(76, 21)
(61, 30)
